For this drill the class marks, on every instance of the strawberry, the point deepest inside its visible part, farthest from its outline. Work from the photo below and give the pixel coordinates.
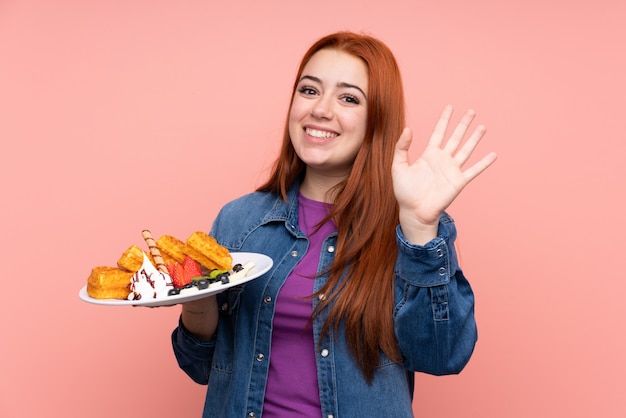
(177, 273)
(170, 267)
(191, 269)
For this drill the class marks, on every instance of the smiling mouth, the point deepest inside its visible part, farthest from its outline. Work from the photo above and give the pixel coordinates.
(315, 133)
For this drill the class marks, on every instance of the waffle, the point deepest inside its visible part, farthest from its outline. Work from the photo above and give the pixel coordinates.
(108, 283)
(132, 259)
(205, 250)
(172, 249)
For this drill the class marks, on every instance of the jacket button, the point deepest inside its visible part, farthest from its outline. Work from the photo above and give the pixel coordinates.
(331, 249)
(224, 307)
(260, 357)
(251, 415)
(330, 416)
(294, 253)
(267, 299)
(324, 353)
(442, 271)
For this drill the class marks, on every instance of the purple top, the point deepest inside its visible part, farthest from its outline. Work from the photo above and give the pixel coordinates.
(292, 388)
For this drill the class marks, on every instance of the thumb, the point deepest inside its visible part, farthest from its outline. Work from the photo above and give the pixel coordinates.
(401, 155)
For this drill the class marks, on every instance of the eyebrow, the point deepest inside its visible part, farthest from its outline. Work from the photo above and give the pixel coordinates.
(340, 84)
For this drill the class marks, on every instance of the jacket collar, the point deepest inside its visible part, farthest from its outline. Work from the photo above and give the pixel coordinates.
(285, 210)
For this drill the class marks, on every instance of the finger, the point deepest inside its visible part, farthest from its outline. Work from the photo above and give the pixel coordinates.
(472, 172)
(439, 133)
(459, 132)
(401, 154)
(468, 148)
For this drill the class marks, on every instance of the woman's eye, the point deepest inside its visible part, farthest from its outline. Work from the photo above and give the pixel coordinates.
(350, 99)
(309, 91)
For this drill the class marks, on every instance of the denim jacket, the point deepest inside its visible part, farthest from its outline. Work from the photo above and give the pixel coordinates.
(433, 320)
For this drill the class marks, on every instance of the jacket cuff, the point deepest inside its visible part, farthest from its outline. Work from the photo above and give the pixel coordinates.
(183, 340)
(431, 264)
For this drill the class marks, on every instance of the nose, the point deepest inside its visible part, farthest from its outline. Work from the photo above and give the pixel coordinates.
(322, 109)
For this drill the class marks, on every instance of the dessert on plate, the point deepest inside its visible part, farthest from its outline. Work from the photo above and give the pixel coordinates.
(170, 267)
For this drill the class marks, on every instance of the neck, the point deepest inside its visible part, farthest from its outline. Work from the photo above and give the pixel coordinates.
(318, 187)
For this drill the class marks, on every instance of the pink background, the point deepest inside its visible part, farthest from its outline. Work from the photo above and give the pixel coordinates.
(121, 115)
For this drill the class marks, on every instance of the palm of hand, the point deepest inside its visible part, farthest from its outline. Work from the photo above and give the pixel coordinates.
(426, 187)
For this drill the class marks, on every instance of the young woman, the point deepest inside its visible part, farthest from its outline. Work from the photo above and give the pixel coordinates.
(365, 288)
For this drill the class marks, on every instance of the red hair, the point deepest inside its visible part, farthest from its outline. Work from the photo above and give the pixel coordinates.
(365, 209)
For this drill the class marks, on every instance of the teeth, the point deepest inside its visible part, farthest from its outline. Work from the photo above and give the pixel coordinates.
(320, 134)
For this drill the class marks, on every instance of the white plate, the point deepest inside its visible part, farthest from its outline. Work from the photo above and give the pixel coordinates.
(262, 264)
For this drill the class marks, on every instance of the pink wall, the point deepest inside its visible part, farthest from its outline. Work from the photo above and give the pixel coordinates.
(121, 115)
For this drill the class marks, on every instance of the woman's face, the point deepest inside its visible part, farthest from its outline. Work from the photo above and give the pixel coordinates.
(328, 114)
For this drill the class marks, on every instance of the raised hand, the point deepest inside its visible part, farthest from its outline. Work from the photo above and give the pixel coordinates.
(426, 187)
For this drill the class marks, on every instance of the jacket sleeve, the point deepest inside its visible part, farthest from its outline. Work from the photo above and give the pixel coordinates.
(434, 304)
(193, 356)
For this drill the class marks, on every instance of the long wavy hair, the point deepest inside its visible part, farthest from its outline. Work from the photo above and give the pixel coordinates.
(359, 292)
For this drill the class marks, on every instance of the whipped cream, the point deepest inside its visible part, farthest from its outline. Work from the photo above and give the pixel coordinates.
(149, 283)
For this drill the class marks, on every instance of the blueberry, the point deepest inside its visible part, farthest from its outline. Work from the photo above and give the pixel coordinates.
(173, 292)
(237, 267)
(202, 284)
(223, 278)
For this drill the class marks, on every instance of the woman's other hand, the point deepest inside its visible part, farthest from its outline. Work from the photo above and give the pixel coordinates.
(426, 187)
